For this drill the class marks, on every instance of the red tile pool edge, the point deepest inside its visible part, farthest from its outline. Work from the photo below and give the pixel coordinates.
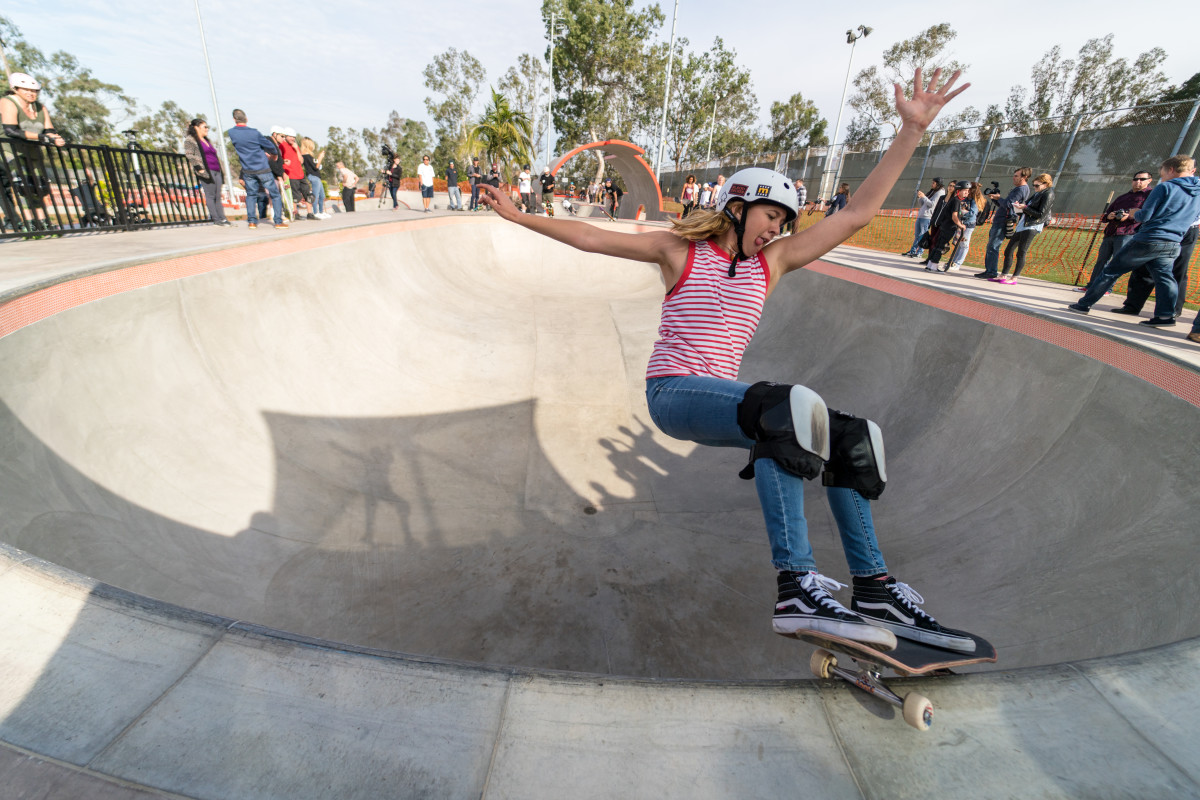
(1167, 375)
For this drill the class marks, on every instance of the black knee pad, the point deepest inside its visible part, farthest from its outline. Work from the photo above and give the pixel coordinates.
(789, 424)
(856, 455)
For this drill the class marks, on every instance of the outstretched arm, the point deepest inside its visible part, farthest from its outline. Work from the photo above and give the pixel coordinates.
(657, 247)
(810, 244)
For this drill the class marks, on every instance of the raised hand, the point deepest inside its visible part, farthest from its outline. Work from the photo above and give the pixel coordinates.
(926, 101)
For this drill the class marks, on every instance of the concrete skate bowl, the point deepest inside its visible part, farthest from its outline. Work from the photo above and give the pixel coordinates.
(380, 512)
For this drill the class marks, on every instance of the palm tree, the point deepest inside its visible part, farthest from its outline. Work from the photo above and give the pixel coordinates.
(502, 133)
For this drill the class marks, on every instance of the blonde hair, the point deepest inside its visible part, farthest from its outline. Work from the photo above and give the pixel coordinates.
(1179, 163)
(703, 224)
(307, 147)
(977, 195)
(1044, 179)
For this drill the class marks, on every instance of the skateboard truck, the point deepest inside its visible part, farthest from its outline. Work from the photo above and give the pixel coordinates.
(917, 710)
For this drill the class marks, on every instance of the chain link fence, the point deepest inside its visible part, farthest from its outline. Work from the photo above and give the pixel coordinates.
(1090, 156)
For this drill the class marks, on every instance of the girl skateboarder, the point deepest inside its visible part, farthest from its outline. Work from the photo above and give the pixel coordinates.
(719, 267)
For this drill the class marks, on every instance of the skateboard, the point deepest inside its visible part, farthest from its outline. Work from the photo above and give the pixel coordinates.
(908, 659)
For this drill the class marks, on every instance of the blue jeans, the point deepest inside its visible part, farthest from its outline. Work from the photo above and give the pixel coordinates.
(455, 198)
(254, 184)
(922, 226)
(318, 193)
(960, 251)
(1158, 257)
(991, 257)
(704, 410)
(1109, 247)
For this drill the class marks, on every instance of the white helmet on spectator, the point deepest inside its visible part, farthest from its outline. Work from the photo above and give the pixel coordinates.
(760, 185)
(288, 131)
(276, 129)
(19, 80)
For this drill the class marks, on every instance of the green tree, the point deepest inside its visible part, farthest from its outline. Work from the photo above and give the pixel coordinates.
(502, 133)
(457, 77)
(1091, 83)
(701, 82)
(793, 123)
(873, 98)
(527, 87)
(602, 66)
(343, 145)
(164, 129)
(408, 138)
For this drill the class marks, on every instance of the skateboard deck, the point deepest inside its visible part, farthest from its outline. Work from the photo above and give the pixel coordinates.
(908, 659)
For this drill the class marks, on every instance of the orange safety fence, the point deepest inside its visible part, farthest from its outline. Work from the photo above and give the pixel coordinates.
(1059, 253)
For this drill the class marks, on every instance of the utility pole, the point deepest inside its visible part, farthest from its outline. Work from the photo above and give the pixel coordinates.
(212, 88)
(662, 130)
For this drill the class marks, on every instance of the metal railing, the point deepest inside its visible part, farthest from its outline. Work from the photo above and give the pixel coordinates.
(48, 191)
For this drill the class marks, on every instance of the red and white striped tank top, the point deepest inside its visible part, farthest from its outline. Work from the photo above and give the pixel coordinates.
(709, 317)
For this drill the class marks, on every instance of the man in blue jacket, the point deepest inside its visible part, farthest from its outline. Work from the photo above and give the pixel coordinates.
(1163, 220)
(253, 150)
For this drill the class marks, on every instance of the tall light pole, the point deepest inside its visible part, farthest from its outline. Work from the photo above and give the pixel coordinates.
(554, 32)
(851, 37)
(212, 87)
(662, 130)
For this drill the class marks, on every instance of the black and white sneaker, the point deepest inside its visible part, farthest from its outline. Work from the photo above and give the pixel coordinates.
(806, 606)
(897, 607)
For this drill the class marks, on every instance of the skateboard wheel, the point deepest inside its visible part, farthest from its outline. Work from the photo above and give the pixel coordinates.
(918, 711)
(822, 663)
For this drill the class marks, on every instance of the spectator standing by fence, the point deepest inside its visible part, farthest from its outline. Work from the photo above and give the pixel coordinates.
(687, 196)
(293, 169)
(202, 155)
(452, 188)
(312, 171)
(425, 178)
(525, 189)
(349, 182)
(1165, 217)
(958, 211)
(1034, 216)
(1141, 283)
(475, 177)
(393, 175)
(925, 207)
(27, 124)
(1004, 209)
(253, 151)
(970, 218)
(1119, 224)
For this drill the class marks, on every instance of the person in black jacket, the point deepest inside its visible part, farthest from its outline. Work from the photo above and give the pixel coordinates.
(1034, 216)
(475, 176)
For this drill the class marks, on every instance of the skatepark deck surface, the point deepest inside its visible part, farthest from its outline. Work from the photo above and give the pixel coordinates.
(376, 509)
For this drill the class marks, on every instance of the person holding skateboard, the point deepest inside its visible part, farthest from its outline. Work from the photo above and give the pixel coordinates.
(719, 267)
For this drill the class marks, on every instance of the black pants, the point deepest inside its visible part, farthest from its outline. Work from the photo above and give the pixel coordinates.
(941, 240)
(1141, 284)
(1018, 244)
(348, 198)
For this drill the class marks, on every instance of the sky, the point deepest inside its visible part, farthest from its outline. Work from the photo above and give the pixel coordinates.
(310, 65)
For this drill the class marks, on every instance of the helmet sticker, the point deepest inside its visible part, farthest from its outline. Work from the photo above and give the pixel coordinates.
(738, 188)
(764, 190)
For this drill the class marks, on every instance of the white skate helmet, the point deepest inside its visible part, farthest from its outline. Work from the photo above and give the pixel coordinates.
(760, 185)
(19, 80)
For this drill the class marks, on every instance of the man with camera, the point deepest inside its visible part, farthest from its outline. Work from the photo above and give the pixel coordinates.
(1119, 223)
(1004, 211)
